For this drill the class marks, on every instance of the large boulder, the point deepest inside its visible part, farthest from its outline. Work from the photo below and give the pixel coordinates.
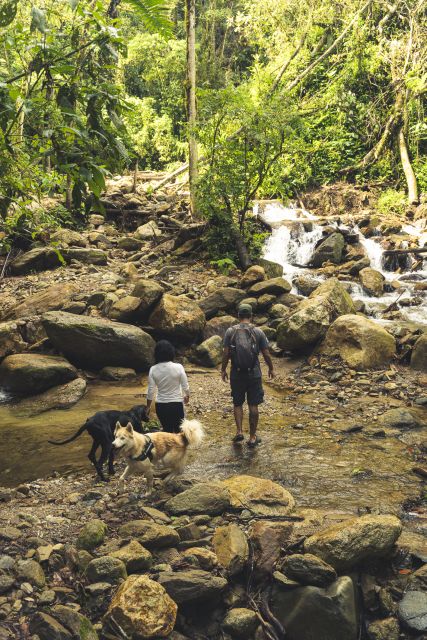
(346, 544)
(400, 418)
(313, 316)
(193, 586)
(231, 547)
(413, 611)
(149, 293)
(63, 396)
(143, 609)
(28, 373)
(10, 339)
(218, 326)
(313, 613)
(223, 299)
(209, 352)
(253, 274)
(49, 299)
(42, 258)
(274, 286)
(272, 269)
(359, 342)
(96, 343)
(178, 318)
(210, 498)
(372, 281)
(419, 354)
(330, 250)
(124, 309)
(259, 495)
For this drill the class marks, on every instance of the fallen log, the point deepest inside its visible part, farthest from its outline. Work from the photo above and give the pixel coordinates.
(401, 252)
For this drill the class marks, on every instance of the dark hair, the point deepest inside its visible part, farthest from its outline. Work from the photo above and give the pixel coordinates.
(164, 351)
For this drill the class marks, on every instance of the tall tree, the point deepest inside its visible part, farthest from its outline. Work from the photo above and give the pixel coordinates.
(190, 23)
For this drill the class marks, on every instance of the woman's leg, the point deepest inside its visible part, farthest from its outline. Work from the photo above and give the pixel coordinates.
(170, 414)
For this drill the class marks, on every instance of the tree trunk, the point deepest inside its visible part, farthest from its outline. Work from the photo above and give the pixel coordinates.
(69, 194)
(407, 168)
(190, 23)
(242, 251)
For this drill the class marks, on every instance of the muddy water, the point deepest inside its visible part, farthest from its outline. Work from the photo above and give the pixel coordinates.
(320, 465)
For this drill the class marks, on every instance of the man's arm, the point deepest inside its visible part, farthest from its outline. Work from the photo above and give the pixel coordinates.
(269, 362)
(225, 359)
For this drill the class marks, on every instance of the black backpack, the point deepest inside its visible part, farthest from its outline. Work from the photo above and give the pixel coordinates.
(244, 348)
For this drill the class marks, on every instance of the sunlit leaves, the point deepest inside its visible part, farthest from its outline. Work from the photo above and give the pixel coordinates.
(155, 14)
(8, 9)
(38, 20)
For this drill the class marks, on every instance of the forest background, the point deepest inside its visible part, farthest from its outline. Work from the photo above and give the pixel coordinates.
(290, 95)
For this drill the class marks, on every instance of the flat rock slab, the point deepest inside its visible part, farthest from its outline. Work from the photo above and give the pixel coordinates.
(413, 610)
(28, 373)
(259, 495)
(211, 498)
(61, 397)
(185, 587)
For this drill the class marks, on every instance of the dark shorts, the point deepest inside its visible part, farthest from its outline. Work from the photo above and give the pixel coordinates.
(246, 386)
(170, 414)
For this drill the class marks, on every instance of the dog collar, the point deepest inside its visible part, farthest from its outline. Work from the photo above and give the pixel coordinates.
(147, 453)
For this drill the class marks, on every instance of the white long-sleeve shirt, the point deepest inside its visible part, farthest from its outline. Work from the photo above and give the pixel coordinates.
(170, 380)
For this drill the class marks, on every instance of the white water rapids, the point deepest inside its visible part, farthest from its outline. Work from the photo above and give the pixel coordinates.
(293, 240)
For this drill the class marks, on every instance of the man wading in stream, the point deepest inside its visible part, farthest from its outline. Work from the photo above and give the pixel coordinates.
(243, 343)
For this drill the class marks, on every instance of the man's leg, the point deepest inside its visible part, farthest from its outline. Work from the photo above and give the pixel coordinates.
(238, 417)
(253, 421)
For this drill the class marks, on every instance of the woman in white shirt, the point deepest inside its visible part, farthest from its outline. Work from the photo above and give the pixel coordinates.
(170, 380)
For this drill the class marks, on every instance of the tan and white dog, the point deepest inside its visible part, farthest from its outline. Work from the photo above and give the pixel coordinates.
(167, 449)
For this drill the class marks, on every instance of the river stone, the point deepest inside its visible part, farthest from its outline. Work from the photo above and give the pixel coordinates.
(413, 610)
(79, 626)
(313, 316)
(30, 373)
(222, 299)
(32, 572)
(96, 343)
(272, 269)
(254, 274)
(204, 558)
(418, 580)
(330, 250)
(193, 586)
(143, 609)
(10, 339)
(209, 352)
(313, 613)
(125, 309)
(38, 259)
(267, 540)
(240, 623)
(259, 495)
(352, 541)
(45, 627)
(360, 342)
(6, 583)
(231, 547)
(135, 557)
(148, 231)
(128, 243)
(91, 535)
(106, 569)
(273, 286)
(400, 418)
(419, 354)
(210, 498)
(62, 397)
(68, 237)
(178, 318)
(387, 629)
(372, 281)
(218, 326)
(306, 284)
(309, 570)
(150, 534)
(117, 373)
(149, 293)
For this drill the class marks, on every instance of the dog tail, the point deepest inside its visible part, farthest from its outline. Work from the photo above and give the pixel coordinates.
(76, 435)
(193, 432)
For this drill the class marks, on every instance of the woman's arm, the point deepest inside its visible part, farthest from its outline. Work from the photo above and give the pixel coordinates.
(150, 391)
(185, 388)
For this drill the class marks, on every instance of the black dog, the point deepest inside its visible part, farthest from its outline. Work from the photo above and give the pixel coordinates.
(101, 427)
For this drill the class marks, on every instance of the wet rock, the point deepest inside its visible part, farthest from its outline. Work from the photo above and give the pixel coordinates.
(150, 534)
(106, 569)
(200, 557)
(222, 299)
(352, 541)
(418, 580)
(259, 495)
(209, 352)
(419, 354)
(267, 540)
(135, 557)
(330, 250)
(413, 611)
(45, 627)
(313, 316)
(91, 535)
(218, 326)
(125, 309)
(387, 629)
(193, 586)
(231, 548)
(32, 572)
(372, 281)
(309, 570)
(273, 286)
(178, 318)
(306, 284)
(149, 292)
(400, 418)
(240, 623)
(254, 274)
(211, 498)
(10, 339)
(143, 609)
(29, 373)
(272, 269)
(62, 397)
(96, 343)
(117, 373)
(361, 343)
(312, 612)
(148, 231)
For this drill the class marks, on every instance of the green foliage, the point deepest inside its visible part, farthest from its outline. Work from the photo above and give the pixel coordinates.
(154, 14)
(224, 265)
(392, 202)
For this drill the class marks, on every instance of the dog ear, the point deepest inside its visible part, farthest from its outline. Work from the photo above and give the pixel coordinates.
(129, 427)
(118, 425)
